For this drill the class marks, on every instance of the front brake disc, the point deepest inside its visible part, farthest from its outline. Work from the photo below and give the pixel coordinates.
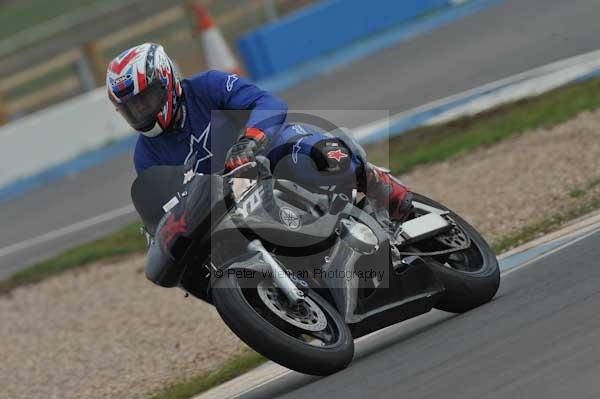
(307, 315)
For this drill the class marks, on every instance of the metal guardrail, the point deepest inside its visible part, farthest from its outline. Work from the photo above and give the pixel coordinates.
(143, 27)
(61, 23)
(37, 71)
(66, 85)
(87, 63)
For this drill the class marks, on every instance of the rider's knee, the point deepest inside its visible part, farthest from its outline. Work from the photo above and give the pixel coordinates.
(332, 156)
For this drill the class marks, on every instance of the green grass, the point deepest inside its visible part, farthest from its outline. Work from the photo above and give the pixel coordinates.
(28, 13)
(530, 232)
(576, 193)
(122, 242)
(580, 192)
(439, 143)
(194, 386)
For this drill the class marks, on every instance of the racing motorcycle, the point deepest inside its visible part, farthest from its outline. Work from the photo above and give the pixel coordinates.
(298, 273)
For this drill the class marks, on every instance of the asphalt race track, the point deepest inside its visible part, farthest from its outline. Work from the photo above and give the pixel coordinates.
(537, 339)
(71, 200)
(508, 38)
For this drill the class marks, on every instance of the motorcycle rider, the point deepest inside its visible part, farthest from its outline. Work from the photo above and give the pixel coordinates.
(179, 119)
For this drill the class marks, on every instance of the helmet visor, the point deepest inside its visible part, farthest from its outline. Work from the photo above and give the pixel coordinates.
(140, 110)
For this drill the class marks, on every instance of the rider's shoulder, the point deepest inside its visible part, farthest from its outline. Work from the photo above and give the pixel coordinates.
(143, 143)
(204, 78)
(204, 85)
(143, 154)
(198, 83)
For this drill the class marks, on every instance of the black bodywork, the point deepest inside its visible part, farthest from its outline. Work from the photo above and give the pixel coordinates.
(209, 229)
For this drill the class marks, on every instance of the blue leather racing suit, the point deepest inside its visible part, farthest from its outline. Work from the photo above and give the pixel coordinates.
(206, 131)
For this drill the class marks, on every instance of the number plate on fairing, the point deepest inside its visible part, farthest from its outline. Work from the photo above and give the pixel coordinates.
(241, 187)
(248, 195)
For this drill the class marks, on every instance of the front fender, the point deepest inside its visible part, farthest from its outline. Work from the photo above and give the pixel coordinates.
(161, 268)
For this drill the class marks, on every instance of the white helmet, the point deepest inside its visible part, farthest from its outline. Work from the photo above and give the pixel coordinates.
(143, 85)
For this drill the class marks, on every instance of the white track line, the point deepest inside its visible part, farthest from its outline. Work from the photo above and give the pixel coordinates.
(551, 252)
(70, 229)
(526, 84)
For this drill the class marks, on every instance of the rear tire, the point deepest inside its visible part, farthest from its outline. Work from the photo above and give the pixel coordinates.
(466, 290)
(272, 341)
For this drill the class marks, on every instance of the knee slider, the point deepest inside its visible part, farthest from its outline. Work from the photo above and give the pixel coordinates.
(331, 155)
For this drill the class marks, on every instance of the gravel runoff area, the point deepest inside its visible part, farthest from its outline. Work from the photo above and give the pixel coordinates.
(520, 181)
(107, 332)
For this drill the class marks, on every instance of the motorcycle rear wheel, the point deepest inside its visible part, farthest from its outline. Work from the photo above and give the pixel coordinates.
(472, 276)
(245, 312)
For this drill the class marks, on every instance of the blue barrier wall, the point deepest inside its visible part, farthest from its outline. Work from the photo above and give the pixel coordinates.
(321, 29)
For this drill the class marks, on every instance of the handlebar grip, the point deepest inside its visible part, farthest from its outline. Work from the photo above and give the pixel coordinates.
(264, 167)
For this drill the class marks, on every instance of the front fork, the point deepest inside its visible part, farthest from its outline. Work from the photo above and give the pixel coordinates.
(280, 277)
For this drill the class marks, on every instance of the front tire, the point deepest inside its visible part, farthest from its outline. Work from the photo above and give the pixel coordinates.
(466, 289)
(245, 313)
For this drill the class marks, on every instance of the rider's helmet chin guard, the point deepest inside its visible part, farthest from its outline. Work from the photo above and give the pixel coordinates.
(143, 85)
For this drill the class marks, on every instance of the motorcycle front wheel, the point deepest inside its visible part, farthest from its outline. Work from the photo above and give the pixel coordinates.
(310, 337)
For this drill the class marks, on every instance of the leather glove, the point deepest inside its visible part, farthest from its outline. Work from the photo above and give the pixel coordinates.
(245, 150)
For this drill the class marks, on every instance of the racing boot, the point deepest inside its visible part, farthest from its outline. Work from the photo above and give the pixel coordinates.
(386, 192)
